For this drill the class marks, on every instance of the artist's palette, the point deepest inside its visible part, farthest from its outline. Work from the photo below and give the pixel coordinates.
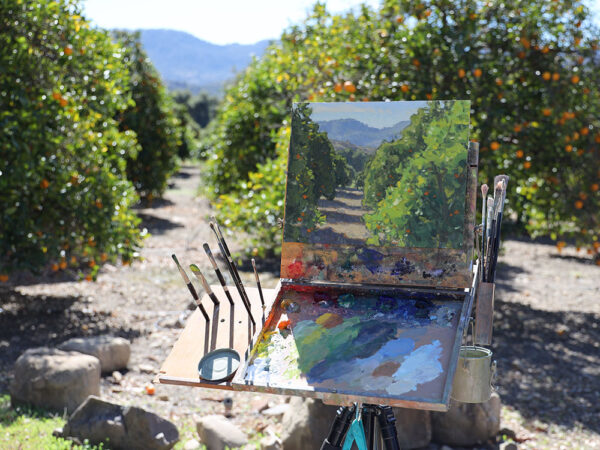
(390, 346)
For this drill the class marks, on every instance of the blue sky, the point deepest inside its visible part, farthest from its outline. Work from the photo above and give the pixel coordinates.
(219, 21)
(216, 21)
(374, 114)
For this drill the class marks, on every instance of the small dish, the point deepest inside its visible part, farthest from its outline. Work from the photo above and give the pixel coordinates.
(219, 365)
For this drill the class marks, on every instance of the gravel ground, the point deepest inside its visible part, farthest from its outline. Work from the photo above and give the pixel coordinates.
(547, 332)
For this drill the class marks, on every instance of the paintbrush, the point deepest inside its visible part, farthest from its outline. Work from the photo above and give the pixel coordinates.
(484, 191)
(218, 272)
(191, 288)
(196, 271)
(488, 234)
(214, 226)
(495, 211)
(262, 300)
(504, 180)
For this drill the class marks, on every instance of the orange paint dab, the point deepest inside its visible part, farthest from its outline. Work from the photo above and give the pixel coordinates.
(283, 324)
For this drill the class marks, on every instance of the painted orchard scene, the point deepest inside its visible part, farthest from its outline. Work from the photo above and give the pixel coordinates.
(378, 174)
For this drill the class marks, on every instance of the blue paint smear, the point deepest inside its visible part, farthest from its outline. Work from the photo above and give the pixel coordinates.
(402, 267)
(371, 259)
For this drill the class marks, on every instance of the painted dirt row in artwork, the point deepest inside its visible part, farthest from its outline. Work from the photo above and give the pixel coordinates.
(378, 174)
(371, 344)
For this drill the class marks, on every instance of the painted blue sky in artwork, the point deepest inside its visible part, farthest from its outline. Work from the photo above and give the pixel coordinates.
(374, 114)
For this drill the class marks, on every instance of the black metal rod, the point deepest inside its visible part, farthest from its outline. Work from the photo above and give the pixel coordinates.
(196, 271)
(260, 292)
(191, 288)
(234, 274)
(339, 428)
(227, 254)
(218, 272)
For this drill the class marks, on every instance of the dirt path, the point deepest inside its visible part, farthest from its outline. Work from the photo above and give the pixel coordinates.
(344, 223)
(546, 335)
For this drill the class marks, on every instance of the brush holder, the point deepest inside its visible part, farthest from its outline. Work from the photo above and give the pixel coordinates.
(484, 314)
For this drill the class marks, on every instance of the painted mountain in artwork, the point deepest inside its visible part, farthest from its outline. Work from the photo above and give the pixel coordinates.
(360, 134)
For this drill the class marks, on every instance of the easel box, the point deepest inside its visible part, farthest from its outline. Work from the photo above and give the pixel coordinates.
(361, 312)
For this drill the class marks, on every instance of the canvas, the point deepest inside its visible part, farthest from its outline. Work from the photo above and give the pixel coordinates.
(379, 192)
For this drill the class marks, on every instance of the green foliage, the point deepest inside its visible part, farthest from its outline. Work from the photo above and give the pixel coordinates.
(202, 107)
(423, 202)
(64, 196)
(529, 67)
(152, 117)
(258, 202)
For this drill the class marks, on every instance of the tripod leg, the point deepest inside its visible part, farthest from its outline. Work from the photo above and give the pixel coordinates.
(387, 425)
(339, 428)
(368, 417)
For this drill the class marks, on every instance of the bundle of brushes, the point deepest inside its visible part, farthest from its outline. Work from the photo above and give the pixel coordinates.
(233, 271)
(492, 211)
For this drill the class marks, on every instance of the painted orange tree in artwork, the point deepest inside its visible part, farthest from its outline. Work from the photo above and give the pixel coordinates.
(423, 206)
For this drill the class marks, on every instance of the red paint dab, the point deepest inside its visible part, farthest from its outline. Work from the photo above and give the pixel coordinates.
(283, 324)
(295, 270)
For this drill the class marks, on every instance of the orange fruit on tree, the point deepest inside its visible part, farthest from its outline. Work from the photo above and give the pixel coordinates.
(584, 131)
(427, 12)
(68, 50)
(583, 196)
(546, 76)
(44, 184)
(499, 82)
(520, 153)
(416, 63)
(349, 87)
(545, 49)
(338, 87)
(494, 145)
(521, 55)
(569, 148)
(594, 187)
(578, 204)
(63, 102)
(404, 88)
(526, 165)
(3, 278)
(555, 76)
(62, 265)
(461, 73)
(399, 19)
(546, 111)
(477, 73)
(55, 95)
(597, 138)
(517, 128)
(428, 96)
(575, 79)
(54, 267)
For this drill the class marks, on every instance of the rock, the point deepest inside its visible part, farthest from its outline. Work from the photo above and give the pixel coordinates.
(191, 445)
(57, 432)
(54, 379)
(306, 423)
(117, 377)
(270, 442)
(217, 433)
(277, 410)
(413, 427)
(113, 352)
(467, 423)
(124, 427)
(508, 446)
(259, 403)
(146, 368)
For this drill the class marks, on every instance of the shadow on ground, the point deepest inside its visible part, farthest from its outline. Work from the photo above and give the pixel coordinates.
(548, 364)
(32, 321)
(157, 225)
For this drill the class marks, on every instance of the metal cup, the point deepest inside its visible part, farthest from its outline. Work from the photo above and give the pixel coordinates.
(475, 373)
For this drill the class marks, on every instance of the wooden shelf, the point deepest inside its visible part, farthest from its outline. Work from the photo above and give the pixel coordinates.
(229, 327)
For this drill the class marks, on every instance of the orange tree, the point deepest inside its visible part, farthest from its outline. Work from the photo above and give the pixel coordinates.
(529, 67)
(152, 117)
(64, 196)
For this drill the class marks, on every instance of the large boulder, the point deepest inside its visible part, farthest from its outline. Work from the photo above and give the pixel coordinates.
(467, 424)
(413, 427)
(54, 379)
(218, 433)
(307, 423)
(113, 352)
(123, 427)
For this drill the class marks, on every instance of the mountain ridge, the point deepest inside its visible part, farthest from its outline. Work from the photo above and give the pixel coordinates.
(359, 133)
(185, 61)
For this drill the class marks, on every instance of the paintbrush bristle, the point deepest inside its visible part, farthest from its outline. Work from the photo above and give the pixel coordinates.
(484, 189)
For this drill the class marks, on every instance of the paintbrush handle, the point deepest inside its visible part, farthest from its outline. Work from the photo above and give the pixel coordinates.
(262, 299)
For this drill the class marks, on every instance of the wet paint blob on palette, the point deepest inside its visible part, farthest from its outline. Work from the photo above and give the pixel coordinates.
(386, 344)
